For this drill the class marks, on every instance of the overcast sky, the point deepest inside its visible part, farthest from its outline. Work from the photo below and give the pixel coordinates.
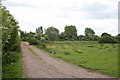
(100, 15)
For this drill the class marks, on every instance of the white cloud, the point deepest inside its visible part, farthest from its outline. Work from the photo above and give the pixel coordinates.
(59, 13)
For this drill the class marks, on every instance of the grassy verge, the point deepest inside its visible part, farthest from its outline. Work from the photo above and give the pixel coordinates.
(102, 58)
(14, 69)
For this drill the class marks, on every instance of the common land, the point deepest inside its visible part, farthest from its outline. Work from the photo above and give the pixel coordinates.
(91, 55)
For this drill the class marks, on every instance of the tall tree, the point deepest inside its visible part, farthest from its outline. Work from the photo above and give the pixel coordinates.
(63, 36)
(52, 33)
(89, 34)
(23, 35)
(71, 32)
(39, 32)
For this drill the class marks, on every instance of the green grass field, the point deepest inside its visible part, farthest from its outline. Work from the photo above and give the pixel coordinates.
(102, 58)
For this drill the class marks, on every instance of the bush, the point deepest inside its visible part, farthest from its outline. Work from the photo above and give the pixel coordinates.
(10, 57)
(107, 39)
(33, 41)
(12, 66)
(17, 45)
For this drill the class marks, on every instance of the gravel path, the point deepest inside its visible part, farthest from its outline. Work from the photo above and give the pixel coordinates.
(38, 64)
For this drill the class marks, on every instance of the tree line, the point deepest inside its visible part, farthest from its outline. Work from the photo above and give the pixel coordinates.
(69, 34)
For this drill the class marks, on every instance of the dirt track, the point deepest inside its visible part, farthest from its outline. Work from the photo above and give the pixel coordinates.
(38, 64)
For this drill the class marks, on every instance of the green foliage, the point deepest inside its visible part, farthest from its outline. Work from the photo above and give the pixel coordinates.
(30, 34)
(105, 34)
(7, 26)
(118, 38)
(23, 36)
(12, 41)
(27, 36)
(10, 57)
(107, 39)
(63, 36)
(33, 41)
(71, 32)
(52, 33)
(89, 32)
(39, 32)
(96, 38)
(9, 31)
(81, 37)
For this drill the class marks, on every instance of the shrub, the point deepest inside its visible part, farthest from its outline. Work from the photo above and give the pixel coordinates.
(107, 39)
(10, 57)
(33, 41)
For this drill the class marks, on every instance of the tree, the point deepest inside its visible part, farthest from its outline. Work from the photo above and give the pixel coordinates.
(81, 37)
(63, 36)
(89, 33)
(118, 38)
(39, 32)
(71, 32)
(107, 38)
(105, 34)
(31, 34)
(52, 33)
(23, 35)
(33, 41)
(96, 38)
